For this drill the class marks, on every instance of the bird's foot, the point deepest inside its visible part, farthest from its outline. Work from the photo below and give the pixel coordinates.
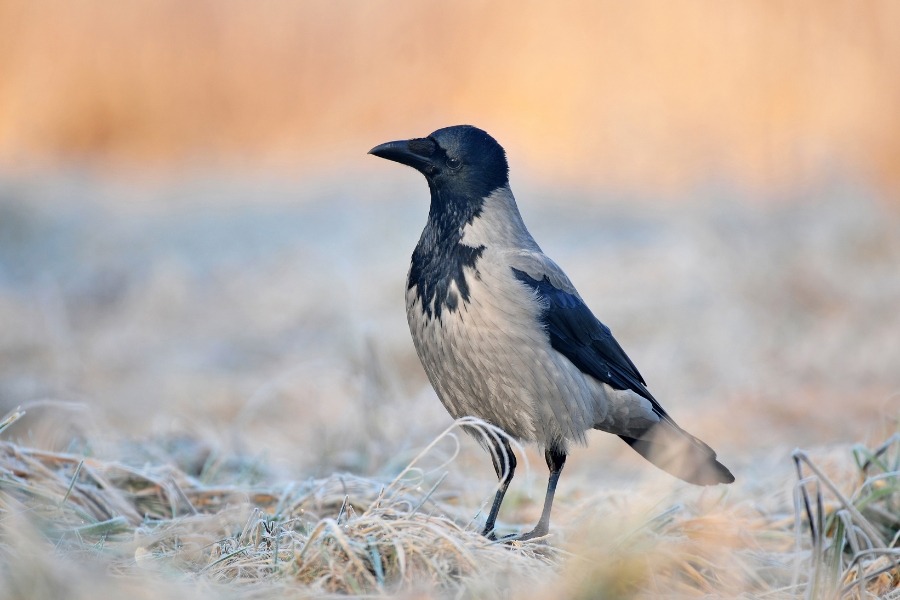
(537, 533)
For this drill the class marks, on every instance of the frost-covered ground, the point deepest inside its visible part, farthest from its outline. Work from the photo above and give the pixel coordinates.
(211, 302)
(261, 321)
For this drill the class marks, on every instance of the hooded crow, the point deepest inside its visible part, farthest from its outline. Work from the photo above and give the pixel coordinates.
(504, 336)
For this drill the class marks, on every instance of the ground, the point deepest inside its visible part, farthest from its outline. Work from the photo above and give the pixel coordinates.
(221, 397)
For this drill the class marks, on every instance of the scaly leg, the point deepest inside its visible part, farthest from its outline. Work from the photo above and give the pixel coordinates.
(555, 461)
(505, 466)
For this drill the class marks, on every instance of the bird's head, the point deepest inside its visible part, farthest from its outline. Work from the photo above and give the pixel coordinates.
(462, 160)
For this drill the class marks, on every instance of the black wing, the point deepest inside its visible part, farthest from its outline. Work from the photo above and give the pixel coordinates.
(579, 336)
(589, 344)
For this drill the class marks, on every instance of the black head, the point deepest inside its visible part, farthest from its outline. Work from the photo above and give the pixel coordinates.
(462, 160)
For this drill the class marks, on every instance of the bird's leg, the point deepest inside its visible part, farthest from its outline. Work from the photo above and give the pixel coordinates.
(505, 466)
(555, 461)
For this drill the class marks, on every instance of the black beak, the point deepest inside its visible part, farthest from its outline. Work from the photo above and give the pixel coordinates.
(415, 153)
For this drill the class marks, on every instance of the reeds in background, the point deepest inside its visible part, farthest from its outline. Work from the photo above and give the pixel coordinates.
(642, 95)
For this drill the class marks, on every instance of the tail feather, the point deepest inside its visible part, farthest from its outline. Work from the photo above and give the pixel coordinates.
(678, 453)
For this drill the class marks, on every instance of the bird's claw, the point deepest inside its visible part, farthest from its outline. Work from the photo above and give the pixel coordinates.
(533, 535)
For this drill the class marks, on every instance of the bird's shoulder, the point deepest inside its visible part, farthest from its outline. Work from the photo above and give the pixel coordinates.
(539, 267)
(573, 329)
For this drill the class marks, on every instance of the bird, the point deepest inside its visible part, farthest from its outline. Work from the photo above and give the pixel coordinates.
(504, 336)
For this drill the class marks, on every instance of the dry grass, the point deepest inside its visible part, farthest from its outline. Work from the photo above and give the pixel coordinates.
(227, 361)
(856, 536)
(342, 534)
(157, 528)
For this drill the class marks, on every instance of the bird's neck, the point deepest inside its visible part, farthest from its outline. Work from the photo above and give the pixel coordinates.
(456, 235)
(449, 213)
(499, 224)
(436, 272)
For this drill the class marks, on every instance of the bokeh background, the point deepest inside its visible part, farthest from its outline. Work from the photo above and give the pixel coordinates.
(196, 253)
(638, 95)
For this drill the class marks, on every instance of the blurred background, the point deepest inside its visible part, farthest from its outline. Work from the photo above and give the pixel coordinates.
(196, 250)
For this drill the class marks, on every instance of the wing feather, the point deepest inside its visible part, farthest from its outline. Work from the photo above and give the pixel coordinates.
(578, 335)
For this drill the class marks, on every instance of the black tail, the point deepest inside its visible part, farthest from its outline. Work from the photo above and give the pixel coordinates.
(678, 453)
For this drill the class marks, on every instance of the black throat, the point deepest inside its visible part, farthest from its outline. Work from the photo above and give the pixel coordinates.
(440, 256)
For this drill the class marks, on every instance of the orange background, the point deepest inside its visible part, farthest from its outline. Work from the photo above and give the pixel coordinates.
(657, 96)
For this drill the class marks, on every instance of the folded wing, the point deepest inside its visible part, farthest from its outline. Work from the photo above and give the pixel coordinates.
(578, 335)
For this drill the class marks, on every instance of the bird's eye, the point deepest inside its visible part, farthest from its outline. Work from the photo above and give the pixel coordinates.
(454, 163)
